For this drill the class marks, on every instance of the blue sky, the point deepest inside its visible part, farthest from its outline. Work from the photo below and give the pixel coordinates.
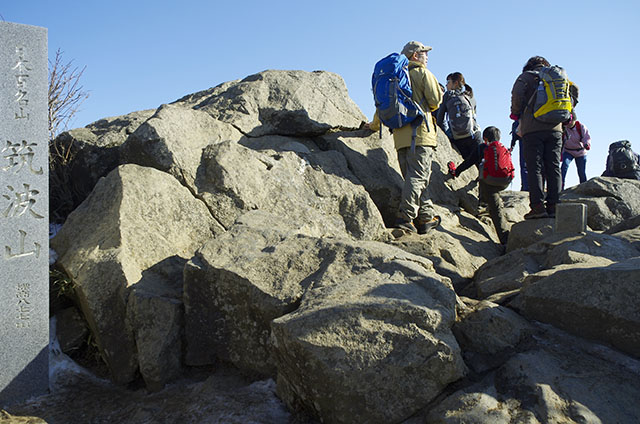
(141, 54)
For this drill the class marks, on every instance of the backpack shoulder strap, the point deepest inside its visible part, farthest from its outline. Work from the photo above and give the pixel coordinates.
(536, 75)
(579, 128)
(467, 97)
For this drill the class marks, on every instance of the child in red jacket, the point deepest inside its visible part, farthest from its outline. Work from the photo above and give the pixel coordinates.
(488, 188)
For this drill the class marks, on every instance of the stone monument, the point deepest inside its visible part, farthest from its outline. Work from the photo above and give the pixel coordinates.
(24, 213)
(571, 218)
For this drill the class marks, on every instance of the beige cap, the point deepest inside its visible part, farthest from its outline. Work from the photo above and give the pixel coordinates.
(414, 46)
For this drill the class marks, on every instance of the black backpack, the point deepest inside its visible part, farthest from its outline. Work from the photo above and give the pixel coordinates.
(623, 161)
(461, 119)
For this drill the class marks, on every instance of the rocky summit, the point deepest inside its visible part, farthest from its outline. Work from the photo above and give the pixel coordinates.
(228, 258)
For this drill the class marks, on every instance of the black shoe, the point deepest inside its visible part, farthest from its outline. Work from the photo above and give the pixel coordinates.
(551, 210)
(424, 226)
(538, 211)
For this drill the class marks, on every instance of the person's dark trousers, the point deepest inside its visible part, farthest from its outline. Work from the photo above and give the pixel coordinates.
(524, 181)
(490, 195)
(465, 145)
(542, 154)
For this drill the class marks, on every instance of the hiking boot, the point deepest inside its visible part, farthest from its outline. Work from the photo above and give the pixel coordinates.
(452, 168)
(537, 211)
(424, 226)
(405, 225)
(551, 210)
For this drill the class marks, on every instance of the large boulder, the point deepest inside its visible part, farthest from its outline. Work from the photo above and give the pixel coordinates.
(290, 103)
(344, 324)
(596, 302)
(371, 340)
(155, 314)
(489, 333)
(609, 200)
(548, 384)
(316, 193)
(528, 232)
(81, 156)
(628, 224)
(374, 161)
(516, 204)
(237, 283)
(508, 272)
(457, 248)
(134, 219)
(172, 140)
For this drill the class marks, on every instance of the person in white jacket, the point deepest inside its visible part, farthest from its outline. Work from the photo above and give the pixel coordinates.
(575, 143)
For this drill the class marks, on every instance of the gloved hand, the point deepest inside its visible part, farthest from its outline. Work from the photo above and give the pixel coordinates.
(452, 169)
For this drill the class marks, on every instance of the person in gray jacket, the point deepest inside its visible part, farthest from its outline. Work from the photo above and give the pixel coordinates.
(542, 143)
(457, 88)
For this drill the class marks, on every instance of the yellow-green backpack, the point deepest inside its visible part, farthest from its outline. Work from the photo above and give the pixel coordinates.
(551, 100)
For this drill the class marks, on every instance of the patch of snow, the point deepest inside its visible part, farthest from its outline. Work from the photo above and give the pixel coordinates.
(53, 230)
(63, 369)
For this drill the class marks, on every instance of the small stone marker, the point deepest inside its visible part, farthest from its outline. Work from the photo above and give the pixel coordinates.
(24, 213)
(571, 218)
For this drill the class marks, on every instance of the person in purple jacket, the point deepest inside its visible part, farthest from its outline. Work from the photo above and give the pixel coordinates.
(575, 143)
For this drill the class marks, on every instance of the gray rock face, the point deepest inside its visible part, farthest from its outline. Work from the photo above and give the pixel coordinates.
(316, 193)
(339, 320)
(458, 248)
(373, 160)
(376, 335)
(526, 233)
(516, 204)
(596, 303)
(629, 224)
(237, 283)
(630, 236)
(488, 333)
(548, 385)
(609, 200)
(81, 156)
(583, 251)
(172, 140)
(281, 103)
(155, 313)
(133, 220)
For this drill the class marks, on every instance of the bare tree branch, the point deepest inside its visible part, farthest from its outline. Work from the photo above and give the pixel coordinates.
(66, 94)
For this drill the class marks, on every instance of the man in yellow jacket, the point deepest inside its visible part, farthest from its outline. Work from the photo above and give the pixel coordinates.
(415, 163)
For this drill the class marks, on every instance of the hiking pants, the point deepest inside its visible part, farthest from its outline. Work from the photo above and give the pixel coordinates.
(581, 164)
(490, 195)
(524, 175)
(416, 171)
(466, 145)
(542, 155)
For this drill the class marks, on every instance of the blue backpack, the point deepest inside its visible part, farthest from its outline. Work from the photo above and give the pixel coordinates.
(392, 93)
